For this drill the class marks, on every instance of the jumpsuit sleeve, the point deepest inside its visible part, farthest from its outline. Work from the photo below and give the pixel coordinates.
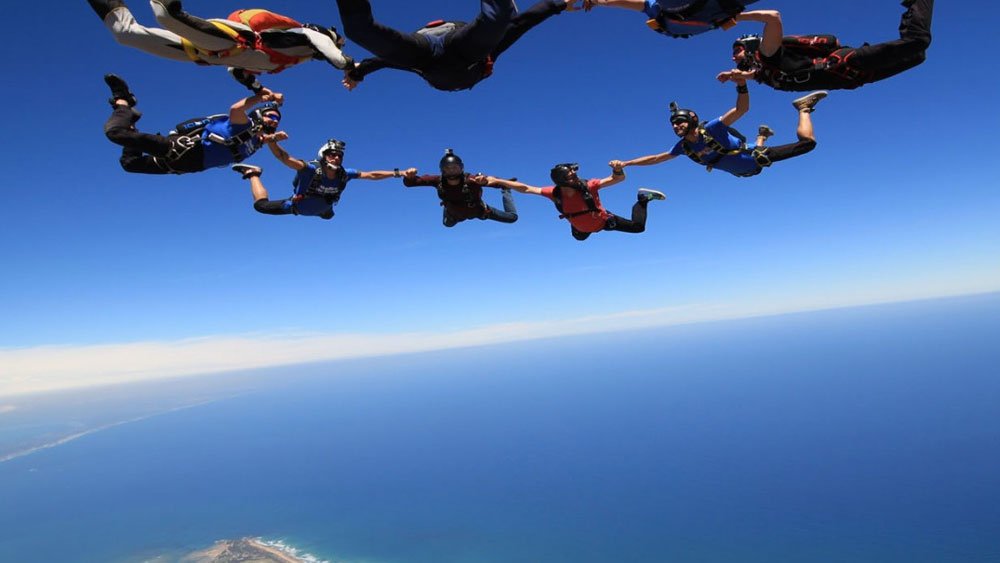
(425, 180)
(325, 46)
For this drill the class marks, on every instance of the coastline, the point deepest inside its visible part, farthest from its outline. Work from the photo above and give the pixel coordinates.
(247, 550)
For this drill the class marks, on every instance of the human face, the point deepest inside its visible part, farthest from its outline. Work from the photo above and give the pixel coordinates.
(335, 158)
(681, 128)
(739, 53)
(271, 120)
(452, 169)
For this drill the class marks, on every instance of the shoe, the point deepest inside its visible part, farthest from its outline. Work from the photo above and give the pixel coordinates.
(119, 90)
(247, 170)
(646, 194)
(765, 131)
(808, 102)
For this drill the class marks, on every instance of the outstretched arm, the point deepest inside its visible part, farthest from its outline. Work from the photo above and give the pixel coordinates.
(281, 154)
(734, 75)
(327, 48)
(617, 174)
(380, 174)
(742, 102)
(773, 31)
(412, 180)
(637, 5)
(644, 160)
(352, 76)
(238, 111)
(517, 186)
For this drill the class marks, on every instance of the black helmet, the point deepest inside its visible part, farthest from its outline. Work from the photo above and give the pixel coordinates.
(450, 159)
(751, 45)
(560, 173)
(257, 115)
(266, 107)
(678, 115)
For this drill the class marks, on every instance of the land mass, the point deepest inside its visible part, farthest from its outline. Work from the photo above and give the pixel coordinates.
(246, 550)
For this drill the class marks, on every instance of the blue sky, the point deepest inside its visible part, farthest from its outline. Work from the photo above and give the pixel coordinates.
(899, 200)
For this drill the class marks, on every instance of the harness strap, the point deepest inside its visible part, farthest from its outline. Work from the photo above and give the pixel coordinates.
(760, 157)
(588, 198)
(236, 141)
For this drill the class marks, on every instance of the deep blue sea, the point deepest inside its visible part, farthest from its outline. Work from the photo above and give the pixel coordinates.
(856, 435)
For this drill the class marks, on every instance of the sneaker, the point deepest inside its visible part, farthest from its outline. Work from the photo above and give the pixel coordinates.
(808, 102)
(247, 170)
(119, 90)
(646, 194)
(765, 131)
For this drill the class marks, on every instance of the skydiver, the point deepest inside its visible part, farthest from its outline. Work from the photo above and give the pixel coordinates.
(461, 194)
(680, 18)
(808, 62)
(578, 201)
(196, 144)
(228, 42)
(715, 144)
(318, 184)
(448, 55)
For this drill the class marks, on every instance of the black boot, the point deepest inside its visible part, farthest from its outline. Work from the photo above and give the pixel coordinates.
(119, 90)
(104, 7)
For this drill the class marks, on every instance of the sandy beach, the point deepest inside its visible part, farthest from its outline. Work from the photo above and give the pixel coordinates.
(246, 550)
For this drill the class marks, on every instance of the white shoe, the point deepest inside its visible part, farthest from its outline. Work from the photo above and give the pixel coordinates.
(247, 170)
(808, 102)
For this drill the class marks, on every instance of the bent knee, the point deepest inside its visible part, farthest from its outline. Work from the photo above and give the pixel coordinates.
(266, 206)
(806, 144)
(117, 135)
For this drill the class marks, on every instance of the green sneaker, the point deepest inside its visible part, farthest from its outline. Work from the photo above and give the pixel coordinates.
(646, 194)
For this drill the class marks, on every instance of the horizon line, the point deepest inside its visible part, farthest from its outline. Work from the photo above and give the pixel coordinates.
(51, 368)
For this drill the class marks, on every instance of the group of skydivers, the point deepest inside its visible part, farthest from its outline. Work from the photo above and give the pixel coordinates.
(452, 55)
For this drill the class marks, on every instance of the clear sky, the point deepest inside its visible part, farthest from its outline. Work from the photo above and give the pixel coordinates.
(898, 201)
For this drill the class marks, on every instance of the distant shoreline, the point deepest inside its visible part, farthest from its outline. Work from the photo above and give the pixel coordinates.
(278, 554)
(245, 549)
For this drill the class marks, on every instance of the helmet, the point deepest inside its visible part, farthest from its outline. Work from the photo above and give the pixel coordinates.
(751, 45)
(332, 145)
(451, 159)
(560, 173)
(257, 115)
(678, 115)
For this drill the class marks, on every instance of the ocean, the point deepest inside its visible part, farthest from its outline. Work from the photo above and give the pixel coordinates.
(869, 434)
